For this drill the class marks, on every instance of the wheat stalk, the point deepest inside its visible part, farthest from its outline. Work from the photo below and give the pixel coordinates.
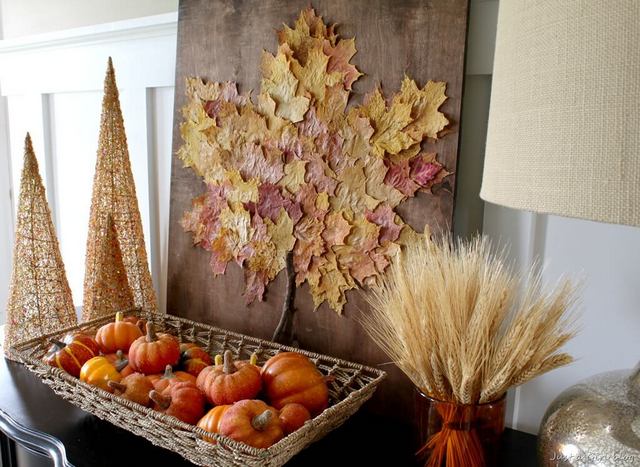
(446, 313)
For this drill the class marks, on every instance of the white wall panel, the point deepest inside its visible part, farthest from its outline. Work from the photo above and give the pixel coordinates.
(25, 114)
(160, 123)
(75, 134)
(606, 258)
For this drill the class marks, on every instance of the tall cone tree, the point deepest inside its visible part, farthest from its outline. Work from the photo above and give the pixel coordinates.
(111, 292)
(114, 194)
(39, 297)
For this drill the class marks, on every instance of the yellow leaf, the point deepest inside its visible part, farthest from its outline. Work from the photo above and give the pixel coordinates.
(281, 85)
(309, 30)
(425, 102)
(281, 235)
(351, 192)
(293, 175)
(313, 76)
(357, 133)
(322, 201)
(388, 123)
(281, 232)
(408, 236)
(331, 108)
(267, 108)
(240, 191)
(330, 284)
(237, 219)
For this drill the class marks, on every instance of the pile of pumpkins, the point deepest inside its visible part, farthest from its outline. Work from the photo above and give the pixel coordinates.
(155, 370)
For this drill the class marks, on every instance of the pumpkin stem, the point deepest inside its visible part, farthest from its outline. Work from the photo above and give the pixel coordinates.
(117, 386)
(217, 359)
(228, 367)
(163, 401)
(58, 343)
(121, 361)
(151, 333)
(253, 360)
(119, 316)
(261, 421)
(168, 372)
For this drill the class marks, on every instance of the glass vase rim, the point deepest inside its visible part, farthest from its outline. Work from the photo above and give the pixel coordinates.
(499, 400)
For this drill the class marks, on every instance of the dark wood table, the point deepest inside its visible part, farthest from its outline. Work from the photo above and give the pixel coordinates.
(39, 421)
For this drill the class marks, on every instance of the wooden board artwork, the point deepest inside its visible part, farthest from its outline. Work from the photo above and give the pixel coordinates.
(222, 40)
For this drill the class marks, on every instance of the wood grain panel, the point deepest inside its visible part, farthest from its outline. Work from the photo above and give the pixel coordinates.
(222, 40)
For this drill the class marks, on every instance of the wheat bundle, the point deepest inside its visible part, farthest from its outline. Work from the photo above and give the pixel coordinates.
(447, 313)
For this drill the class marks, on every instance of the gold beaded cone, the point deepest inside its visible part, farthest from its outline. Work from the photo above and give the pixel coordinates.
(114, 194)
(39, 296)
(111, 292)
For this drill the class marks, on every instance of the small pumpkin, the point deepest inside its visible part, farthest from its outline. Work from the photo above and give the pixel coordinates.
(139, 322)
(98, 371)
(118, 335)
(252, 422)
(163, 381)
(229, 382)
(135, 387)
(182, 400)
(211, 421)
(152, 353)
(121, 362)
(72, 352)
(291, 377)
(292, 416)
(193, 358)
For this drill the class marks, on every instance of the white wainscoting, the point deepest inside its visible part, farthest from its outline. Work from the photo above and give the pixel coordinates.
(52, 85)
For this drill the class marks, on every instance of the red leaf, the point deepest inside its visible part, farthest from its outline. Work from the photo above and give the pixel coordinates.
(385, 217)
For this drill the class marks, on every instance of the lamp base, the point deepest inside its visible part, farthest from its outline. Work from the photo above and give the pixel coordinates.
(594, 423)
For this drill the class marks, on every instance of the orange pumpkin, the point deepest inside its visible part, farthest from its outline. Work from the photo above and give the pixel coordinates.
(293, 416)
(135, 387)
(252, 422)
(139, 322)
(72, 352)
(182, 400)
(193, 359)
(152, 353)
(118, 335)
(291, 377)
(211, 421)
(229, 382)
(98, 371)
(163, 381)
(121, 362)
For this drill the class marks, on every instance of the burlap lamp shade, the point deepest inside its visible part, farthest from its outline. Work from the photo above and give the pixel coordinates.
(564, 121)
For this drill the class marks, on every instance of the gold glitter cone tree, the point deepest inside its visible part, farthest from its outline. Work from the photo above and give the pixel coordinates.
(111, 292)
(114, 194)
(39, 296)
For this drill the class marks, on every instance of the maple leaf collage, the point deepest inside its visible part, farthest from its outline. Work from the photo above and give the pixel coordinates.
(296, 171)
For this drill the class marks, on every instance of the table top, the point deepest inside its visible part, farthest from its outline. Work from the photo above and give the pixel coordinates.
(365, 439)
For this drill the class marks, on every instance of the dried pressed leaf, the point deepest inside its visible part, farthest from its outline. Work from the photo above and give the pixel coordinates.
(425, 102)
(385, 218)
(282, 86)
(388, 123)
(340, 56)
(313, 76)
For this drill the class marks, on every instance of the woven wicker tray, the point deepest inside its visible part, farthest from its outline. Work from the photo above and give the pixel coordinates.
(352, 384)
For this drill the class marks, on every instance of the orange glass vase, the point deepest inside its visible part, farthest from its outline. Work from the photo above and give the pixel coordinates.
(455, 435)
